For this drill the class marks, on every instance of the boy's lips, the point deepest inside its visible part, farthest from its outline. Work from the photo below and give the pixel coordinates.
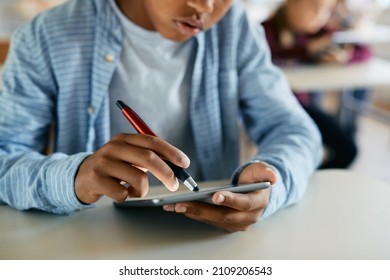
(189, 27)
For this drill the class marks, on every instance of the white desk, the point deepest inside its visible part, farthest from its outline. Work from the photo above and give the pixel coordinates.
(371, 74)
(374, 73)
(342, 216)
(368, 34)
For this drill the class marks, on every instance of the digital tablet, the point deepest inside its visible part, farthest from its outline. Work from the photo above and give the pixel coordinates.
(159, 196)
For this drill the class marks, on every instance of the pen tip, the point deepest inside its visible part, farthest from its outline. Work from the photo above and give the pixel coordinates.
(196, 189)
(121, 104)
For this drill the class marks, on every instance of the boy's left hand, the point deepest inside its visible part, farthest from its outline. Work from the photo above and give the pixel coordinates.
(233, 211)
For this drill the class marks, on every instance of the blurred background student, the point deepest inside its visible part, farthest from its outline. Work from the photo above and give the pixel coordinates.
(300, 31)
(348, 15)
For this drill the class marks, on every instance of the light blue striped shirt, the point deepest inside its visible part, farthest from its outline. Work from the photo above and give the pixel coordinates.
(58, 73)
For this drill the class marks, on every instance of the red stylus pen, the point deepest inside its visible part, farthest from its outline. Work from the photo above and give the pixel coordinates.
(142, 128)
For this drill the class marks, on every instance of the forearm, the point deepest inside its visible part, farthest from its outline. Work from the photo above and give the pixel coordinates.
(29, 180)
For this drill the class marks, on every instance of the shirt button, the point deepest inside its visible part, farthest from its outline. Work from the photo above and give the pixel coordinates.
(109, 58)
(91, 109)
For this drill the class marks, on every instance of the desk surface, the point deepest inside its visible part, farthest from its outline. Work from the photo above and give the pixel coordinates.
(371, 74)
(342, 216)
(367, 34)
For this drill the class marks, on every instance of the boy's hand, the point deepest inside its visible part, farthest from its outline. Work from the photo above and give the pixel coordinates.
(233, 211)
(126, 158)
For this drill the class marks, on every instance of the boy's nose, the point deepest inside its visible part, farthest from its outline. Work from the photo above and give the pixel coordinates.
(202, 6)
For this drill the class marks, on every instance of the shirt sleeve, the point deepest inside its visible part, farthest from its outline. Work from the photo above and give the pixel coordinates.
(28, 178)
(360, 53)
(286, 136)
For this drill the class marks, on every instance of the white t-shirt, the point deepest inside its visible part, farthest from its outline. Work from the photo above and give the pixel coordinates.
(153, 77)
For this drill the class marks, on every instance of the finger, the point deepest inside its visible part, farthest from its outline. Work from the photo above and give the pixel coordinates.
(147, 159)
(136, 180)
(110, 187)
(258, 172)
(203, 212)
(242, 202)
(221, 217)
(91, 183)
(159, 146)
(157, 166)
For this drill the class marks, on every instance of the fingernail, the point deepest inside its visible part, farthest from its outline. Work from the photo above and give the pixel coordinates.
(220, 199)
(173, 187)
(181, 209)
(185, 159)
(169, 208)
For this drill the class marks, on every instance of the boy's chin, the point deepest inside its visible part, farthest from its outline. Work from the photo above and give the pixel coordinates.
(179, 38)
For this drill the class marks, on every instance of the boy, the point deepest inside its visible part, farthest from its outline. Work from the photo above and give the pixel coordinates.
(190, 68)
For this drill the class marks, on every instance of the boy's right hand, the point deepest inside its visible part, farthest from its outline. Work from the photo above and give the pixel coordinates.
(126, 158)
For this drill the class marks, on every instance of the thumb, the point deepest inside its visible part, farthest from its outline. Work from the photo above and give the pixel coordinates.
(258, 172)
